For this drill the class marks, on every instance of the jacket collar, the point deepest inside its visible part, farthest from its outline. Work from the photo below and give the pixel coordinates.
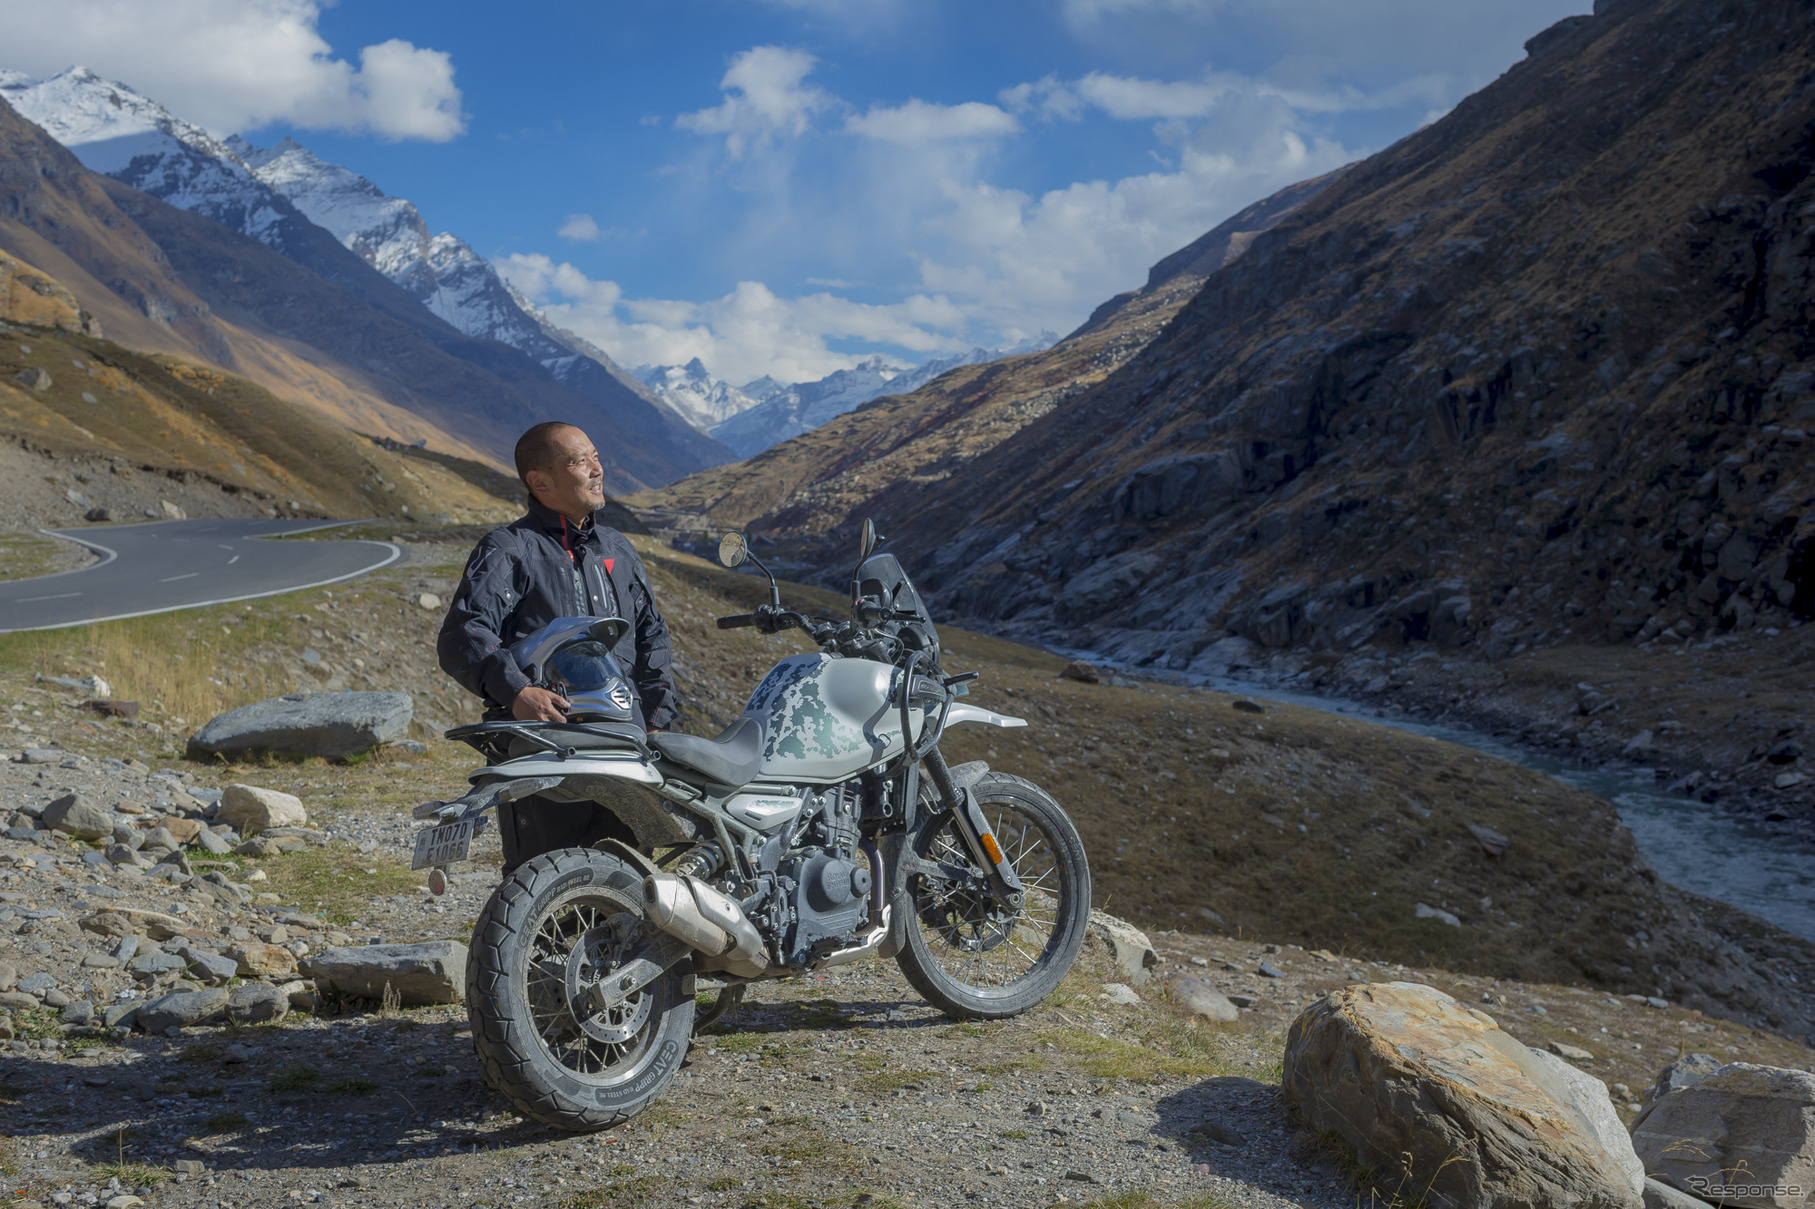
(554, 524)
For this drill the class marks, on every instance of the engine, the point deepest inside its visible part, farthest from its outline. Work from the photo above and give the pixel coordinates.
(823, 881)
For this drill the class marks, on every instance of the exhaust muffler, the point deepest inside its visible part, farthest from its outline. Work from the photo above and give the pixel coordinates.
(708, 921)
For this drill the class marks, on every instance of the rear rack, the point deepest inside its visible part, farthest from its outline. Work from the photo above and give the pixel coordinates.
(547, 735)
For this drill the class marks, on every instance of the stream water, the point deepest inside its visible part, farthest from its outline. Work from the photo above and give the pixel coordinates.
(1691, 845)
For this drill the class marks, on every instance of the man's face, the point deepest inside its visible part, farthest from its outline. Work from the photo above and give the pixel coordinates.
(574, 482)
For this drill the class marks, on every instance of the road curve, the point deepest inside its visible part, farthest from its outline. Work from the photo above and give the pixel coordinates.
(167, 565)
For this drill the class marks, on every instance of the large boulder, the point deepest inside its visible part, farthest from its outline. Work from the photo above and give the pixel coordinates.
(1127, 945)
(334, 725)
(249, 809)
(1421, 1086)
(1742, 1136)
(73, 814)
(431, 972)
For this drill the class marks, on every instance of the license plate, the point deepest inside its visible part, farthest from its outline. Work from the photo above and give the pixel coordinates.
(443, 845)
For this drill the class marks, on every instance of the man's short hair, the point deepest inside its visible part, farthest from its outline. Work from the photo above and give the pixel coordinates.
(536, 448)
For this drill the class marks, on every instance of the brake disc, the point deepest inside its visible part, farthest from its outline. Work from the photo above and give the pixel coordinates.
(595, 957)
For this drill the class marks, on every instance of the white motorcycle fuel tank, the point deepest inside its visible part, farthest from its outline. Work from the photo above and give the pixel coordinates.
(826, 719)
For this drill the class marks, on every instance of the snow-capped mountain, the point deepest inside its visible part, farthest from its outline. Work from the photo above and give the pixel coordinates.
(263, 192)
(120, 133)
(697, 395)
(782, 411)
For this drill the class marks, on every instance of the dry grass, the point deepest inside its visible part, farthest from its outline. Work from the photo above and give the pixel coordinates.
(23, 555)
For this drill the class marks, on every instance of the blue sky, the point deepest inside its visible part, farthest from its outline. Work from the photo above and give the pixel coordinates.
(783, 186)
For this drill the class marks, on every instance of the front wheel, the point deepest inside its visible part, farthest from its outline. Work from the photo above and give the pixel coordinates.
(971, 955)
(553, 932)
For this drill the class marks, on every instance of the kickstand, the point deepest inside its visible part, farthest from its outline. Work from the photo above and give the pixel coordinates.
(728, 999)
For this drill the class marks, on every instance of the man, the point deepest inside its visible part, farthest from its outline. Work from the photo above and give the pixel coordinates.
(557, 561)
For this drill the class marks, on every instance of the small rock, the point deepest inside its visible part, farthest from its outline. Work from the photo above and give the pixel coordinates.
(1082, 672)
(56, 999)
(40, 755)
(124, 1201)
(1219, 1133)
(79, 1012)
(181, 1010)
(1244, 1002)
(1425, 911)
(1686, 1071)
(1247, 706)
(1491, 841)
(76, 815)
(257, 846)
(1788, 780)
(259, 1002)
(1120, 992)
(262, 960)
(1082, 1177)
(190, 1167)
(212, 843)
(1127, 945)
(431, 972)
(1037, 1108)
(1269, 970)
(209, 967)
(155, 963)
(428, 600)
(1652, 1001)
(412, 747)
(182, 831)
(1574, 1053)
(1659, 1195)
(250, 810)
(238, 1053)
(37, 984)
(18, 1001)
(1203, 999)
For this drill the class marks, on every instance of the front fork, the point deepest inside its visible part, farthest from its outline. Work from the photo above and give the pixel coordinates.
(974, 828)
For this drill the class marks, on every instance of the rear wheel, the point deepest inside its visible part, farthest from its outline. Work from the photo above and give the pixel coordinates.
(556, 929)
(972, 955)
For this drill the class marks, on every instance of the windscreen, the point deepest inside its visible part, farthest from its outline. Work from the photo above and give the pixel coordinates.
(881, 576)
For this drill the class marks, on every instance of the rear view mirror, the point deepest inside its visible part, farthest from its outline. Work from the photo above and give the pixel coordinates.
(733, 549)
(866, 544)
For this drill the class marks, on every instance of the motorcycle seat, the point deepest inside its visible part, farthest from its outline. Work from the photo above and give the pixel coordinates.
(732, 759)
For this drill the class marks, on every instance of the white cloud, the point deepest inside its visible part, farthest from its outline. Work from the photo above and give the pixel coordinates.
(241, 64)
(581, 228)
(745, 334)
(921, 122)
(764, 99)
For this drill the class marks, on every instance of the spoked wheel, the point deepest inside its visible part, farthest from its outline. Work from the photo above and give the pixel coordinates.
(971, 954)
(553, 933)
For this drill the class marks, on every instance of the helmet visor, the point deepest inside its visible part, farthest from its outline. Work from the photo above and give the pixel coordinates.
(581, 666)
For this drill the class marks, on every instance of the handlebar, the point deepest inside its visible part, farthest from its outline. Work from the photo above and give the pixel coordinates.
(737, 622)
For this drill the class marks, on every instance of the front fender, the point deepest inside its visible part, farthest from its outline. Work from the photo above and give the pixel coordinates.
(964, 712)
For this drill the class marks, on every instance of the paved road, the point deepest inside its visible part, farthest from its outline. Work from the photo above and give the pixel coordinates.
(167, 565)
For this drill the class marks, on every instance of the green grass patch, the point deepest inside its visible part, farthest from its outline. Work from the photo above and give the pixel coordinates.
(794, 1138)
(648, 1190)
(723, 1183)
(130, 1175)
(295, 1078)
(884, 1081)
(333, 879)
(1141, 1198)
(1114, 1058)
(23, 555)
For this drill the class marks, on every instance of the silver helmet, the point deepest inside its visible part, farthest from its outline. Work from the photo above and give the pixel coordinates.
(572, 656)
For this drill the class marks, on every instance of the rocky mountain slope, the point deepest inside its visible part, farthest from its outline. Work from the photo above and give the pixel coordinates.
(815, 484)
(436, 285)
(91, 431)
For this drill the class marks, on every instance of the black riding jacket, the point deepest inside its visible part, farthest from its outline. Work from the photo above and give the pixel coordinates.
(523, 576)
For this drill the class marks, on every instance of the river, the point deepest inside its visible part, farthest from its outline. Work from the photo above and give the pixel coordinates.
(1691, 845)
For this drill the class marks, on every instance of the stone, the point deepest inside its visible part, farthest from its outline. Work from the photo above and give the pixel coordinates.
(100, 961)
(1426, 911)
(1128, 946)
(36, 984)
(257, 1003)
(333, 725)
(33, 378)
(190, 1167)
(1640, 744)
(155, 963)
(1082, 672)
(184, 1009)
(249, 809)
(1268, 970)
(238, 1052)
(112, 707)
(414, 747)
(18, 1001)
(212, 843)
(1203, 999)
(73, 814)
(207, 966)
(56, 999)
(428, 600)
(262, 960)
(1659, 1195)
(1788, 780)
(9, 976)
(1686, 1071)
(1120, 992)
(1743, 1136)
(1401, 1069)
(183, 831)
(1491, 841)
(257, 846)
(130, 836)
(124, 1201)
(430, 972)
(1573, 1053)
(39, 755)
(1247, 705)
(121, 854)
(130, 921)
(80, 1011)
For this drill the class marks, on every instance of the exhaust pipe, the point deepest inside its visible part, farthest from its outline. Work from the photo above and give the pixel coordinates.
(707, 921)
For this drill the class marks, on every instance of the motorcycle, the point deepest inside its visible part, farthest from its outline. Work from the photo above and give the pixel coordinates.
(822, 827)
